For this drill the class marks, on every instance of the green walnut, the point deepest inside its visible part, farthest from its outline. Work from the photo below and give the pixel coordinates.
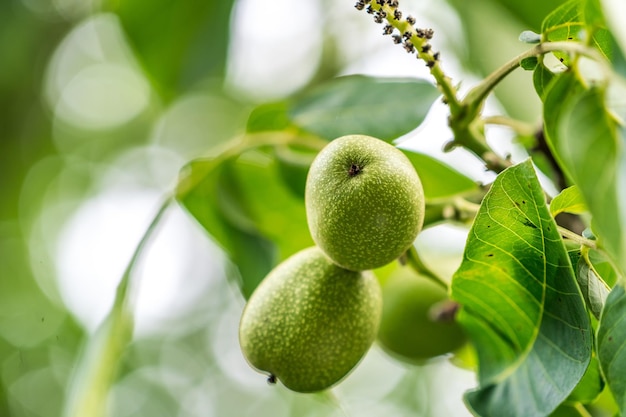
(364, 202)
(408, 330)
(310, 321)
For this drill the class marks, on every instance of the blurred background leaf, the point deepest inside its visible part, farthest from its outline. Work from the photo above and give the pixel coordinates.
(383, 108)
(178, 43)
(103, 102)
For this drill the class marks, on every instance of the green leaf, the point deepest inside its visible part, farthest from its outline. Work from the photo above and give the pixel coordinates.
(593, 16)
(542, 77)
(568, 201)
(275, 211)
(611, 340)
(529, 64)
(584, 138)
(232, 199)
(178, 43)
(385, 108)
(602, 266)
(198, 191)
(567, 22)
(564, 21)
(590, 386)
(438, 179)
(520, 303)
(594, 289)
(613, 12)
(268, 116)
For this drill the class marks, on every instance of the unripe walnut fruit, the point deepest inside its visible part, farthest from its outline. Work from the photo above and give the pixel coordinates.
(310, 321)
(364, 202)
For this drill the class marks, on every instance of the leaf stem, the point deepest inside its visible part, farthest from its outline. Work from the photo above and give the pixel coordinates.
(248, 141)
(100, 361)
(582, 410)
(518, 126)
(478, 94)
(418, 265)
(468, 129)
(577, 238)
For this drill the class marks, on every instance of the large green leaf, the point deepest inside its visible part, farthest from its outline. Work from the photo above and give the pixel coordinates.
(385, 108)
(590, 386)
(611, 342)
(241, 201)
(585, 140)
(276, 212)
(199, 192)
(177, 42)
(438, 179)
(520, 302)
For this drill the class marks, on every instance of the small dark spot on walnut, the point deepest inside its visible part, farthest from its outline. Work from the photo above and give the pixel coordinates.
(355, 169)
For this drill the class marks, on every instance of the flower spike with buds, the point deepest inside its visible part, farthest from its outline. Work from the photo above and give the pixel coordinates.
(413, 39)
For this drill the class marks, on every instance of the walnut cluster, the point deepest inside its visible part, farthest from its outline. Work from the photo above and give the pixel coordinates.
(402, 30)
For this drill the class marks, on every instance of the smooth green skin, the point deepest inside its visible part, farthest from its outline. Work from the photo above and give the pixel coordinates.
(367, 220)
(310, 322)
(406, 330)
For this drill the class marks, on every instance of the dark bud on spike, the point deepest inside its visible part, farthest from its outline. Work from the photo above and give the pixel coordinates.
(407, 35)
(410, 19)
(428, 33)
(360, 5)
(378, 18)
(387, 30)
(394, 3)
(408, 46)
(397, 14)
(397, 39)
(430, 64)
(370, 10)
(436, 56)
(426, 48)
(271, 379)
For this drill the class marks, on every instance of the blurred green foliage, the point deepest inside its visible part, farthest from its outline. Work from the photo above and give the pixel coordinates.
(50, 165)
